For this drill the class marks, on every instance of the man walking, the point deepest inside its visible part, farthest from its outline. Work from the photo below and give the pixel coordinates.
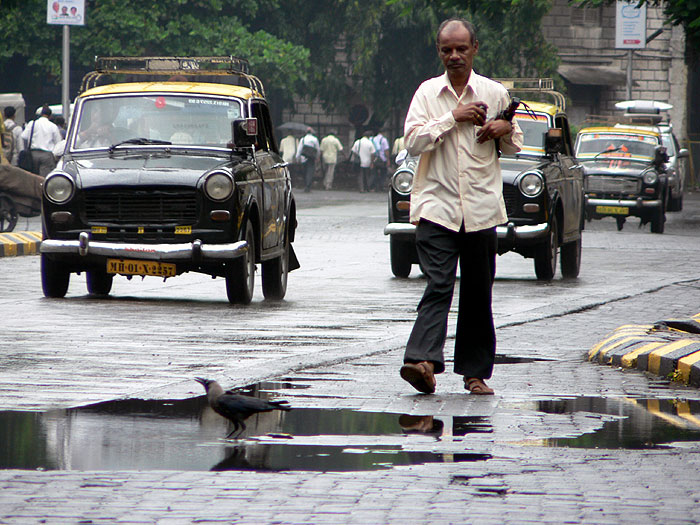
(307, 153)
(42, 135)
(381, 164)
(15, 129)
(364, 150)
(330, 147)
(456, 204)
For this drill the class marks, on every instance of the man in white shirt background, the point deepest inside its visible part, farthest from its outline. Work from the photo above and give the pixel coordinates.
(456, 203)
(41, 135)
(16, 130)
(330, 148)
(364, 149)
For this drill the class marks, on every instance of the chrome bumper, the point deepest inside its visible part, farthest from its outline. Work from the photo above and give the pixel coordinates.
(400, 228)
(629, 203)
(528, 232)
(152, 252)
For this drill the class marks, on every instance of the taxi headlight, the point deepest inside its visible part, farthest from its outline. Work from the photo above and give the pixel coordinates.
(650, 177)
(59, 188)
(531, 184)
(402, 182)
(218, 186)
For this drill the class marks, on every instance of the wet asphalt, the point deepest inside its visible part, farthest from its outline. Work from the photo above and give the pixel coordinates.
(563, 440)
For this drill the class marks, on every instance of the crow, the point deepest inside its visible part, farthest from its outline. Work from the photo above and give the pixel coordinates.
(236, 407)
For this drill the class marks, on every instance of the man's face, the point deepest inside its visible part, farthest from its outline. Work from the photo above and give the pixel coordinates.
(456, 50)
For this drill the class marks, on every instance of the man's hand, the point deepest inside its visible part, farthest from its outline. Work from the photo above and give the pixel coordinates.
(474, 112)
(493, 129)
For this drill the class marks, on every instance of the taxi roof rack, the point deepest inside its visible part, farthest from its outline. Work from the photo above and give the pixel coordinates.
(172, 66)
(534, 85)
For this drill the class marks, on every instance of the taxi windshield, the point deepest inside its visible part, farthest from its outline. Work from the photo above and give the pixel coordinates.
(180, 120)
(534, 130)
(605, 145)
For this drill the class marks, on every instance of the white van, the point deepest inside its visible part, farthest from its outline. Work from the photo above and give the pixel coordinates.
(17, 101)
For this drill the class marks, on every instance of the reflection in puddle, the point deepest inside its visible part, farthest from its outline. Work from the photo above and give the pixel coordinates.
(628, 423)
(188, 435)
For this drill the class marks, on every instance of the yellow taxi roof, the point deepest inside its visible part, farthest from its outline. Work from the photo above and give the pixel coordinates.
(203, 88)
(621, 130)
(541, 107)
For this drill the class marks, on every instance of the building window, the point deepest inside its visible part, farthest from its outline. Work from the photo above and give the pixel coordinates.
(586, 16)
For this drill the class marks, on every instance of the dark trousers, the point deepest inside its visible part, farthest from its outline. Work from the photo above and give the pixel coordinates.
(439, 249)
(364, 178)
(309, 169)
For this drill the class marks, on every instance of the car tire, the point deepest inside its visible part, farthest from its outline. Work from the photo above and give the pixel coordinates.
(240, 276)
(99, 282)
(54, 278)
(275, 273)
(546, 255)
(400, 254)
(658, 221)
(620, 223)
(675, 203)
(8, 214)
(570, 262)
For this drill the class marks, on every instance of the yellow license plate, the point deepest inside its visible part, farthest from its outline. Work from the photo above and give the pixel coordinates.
(612, 210)
(132, 267)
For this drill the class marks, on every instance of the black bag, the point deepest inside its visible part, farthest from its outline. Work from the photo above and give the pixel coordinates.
(26, 161)
(308, 151)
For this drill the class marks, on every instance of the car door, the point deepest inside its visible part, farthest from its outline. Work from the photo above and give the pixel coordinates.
(273, 175)
(571, 184)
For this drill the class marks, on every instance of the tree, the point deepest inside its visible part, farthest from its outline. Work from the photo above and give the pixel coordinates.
(678, 12)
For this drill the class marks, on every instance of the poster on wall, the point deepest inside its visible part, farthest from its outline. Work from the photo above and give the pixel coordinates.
(65, 12)
(630, 25)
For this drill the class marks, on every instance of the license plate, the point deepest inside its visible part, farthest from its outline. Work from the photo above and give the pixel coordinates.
(132, 267)
(612, 210)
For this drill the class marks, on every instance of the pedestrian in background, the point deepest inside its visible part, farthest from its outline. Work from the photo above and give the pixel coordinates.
(41, 135)
(381, 161)
(365, 151)
(307, 154)
(330, 148)
(456, 203)
(15, 129)
(397, 148)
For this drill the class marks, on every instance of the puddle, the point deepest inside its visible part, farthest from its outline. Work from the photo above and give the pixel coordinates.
(626, 423)
(188, 435)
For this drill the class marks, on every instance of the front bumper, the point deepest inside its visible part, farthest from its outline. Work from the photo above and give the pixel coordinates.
(509, 232)
(636, 207)
(194, 251)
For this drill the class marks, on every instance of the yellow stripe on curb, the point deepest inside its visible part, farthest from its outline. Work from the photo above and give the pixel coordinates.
(655, 357)
(630, 360)
(685, 364)
(621, 332)
(654, 408)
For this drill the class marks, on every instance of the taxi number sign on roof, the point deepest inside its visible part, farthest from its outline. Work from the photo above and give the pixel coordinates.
(585, 137)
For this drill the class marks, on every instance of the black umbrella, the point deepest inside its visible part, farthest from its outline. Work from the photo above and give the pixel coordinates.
(293, 126)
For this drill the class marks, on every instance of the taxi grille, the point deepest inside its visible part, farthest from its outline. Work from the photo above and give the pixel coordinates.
(612, 185)
(510, 196)
(142, 207)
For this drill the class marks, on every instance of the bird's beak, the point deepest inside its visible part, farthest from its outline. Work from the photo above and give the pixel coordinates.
(201, 381)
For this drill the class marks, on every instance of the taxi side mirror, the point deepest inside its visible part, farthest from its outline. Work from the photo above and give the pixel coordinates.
(244, 132)
(553, 141)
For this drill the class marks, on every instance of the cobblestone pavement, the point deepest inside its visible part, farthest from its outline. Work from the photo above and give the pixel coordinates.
(522, 482)
(523, 478)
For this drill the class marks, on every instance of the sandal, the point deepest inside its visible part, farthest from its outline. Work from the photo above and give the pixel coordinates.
(477, 386)
(419, 376)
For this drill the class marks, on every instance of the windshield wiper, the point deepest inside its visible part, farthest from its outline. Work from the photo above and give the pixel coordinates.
(139, 141)
(607, 151)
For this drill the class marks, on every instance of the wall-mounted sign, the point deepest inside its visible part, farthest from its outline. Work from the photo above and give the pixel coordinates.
(630, 25)
(65, 12)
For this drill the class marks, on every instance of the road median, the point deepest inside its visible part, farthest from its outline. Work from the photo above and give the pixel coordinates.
(19, 243)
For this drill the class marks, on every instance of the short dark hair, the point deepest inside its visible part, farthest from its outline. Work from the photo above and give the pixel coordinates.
(9, 111)
(466, 23)
(46, 110)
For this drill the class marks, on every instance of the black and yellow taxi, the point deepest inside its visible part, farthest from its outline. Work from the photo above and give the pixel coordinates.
(170, 166)
(625, 174)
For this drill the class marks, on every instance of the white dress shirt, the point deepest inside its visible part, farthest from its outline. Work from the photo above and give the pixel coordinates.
(458, 181)
(46, 134)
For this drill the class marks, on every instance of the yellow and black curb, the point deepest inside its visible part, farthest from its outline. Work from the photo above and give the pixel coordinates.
(19, 243)
(667, 348)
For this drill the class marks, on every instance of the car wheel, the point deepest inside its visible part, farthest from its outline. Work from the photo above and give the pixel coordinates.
(8, 214)
(658, 221)
(620, 223)
(570, 262)
(400, 253)
(54, 278)
(546, 255)
(275, 273)
(99, 282)
(240, 276)
(675, 204)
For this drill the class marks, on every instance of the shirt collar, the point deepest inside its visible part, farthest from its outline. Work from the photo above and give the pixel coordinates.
(472, 84)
